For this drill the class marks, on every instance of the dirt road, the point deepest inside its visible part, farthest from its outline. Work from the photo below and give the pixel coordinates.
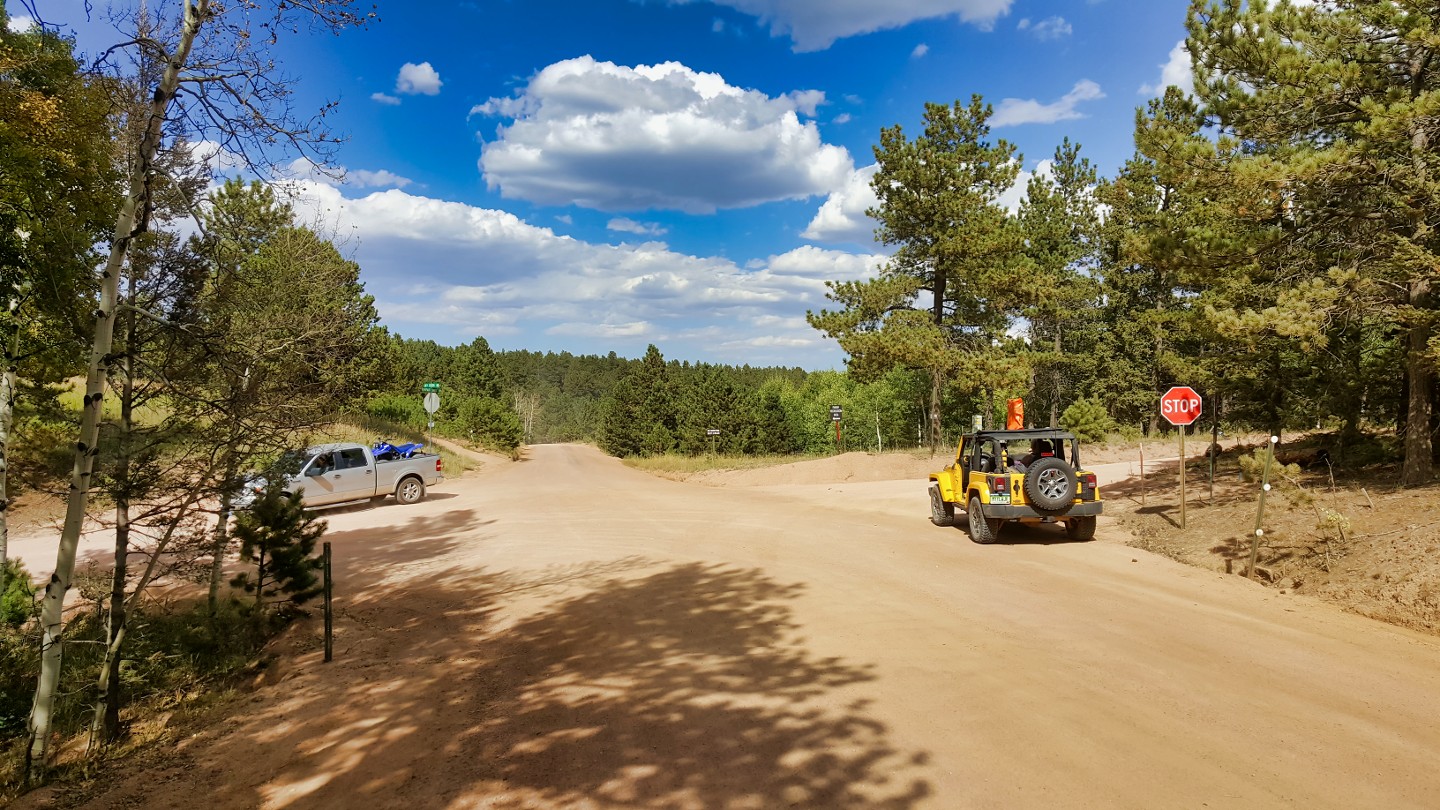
(565, 632)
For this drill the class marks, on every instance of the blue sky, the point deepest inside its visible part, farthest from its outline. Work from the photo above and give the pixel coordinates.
(596, 175)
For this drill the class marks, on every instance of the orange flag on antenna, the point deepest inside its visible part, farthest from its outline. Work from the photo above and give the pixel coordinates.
(1015, 414)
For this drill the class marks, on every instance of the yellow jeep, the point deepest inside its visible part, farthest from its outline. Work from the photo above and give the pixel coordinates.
(1019, 475)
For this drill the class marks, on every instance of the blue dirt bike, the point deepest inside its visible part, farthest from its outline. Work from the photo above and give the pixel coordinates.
(385, 451)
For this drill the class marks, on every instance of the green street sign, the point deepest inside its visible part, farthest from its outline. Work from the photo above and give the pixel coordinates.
(430, 387)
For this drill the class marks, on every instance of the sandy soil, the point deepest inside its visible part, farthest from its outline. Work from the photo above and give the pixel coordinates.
(564, 632)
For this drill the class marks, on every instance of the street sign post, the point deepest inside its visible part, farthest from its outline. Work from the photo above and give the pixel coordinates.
(1181, 406)
(712, 433)
(835, 414)
(431, 386)
(432, 403)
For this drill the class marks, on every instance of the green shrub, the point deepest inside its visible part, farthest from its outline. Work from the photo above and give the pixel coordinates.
(17, 600)
(1088, 420)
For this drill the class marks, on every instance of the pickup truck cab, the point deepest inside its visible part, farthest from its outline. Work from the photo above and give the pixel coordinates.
(344, 472)
(1028, 476)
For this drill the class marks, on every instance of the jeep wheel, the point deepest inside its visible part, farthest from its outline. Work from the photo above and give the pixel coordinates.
(1050, 486)
(983, 530)
(942, 512)
(410, 490)
(1081, 528)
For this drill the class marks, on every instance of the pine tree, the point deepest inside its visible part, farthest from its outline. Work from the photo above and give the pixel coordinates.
(1059, 221)
(939, 203)
(1336, 106)
(639, 415)
(277, 536)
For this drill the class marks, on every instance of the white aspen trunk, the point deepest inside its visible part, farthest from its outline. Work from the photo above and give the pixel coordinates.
(132, 212)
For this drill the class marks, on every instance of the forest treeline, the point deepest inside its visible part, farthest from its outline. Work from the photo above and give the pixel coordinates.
(1273, 242)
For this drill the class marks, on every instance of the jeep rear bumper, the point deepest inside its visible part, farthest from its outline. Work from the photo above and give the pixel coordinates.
(1009, 512)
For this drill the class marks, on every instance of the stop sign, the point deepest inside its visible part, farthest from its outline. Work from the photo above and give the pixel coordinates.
(1180, 405)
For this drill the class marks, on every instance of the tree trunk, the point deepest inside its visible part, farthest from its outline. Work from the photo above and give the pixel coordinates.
(1419, 467)
(9, 380)
(936, 389)
(105, 727)
(1055, 381)
(221, 543)
(128, 225)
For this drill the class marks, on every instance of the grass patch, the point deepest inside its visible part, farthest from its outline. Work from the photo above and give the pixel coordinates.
(676, 464)
(178, 659)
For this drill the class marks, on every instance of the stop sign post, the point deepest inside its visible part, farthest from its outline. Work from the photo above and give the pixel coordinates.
(1181, 407)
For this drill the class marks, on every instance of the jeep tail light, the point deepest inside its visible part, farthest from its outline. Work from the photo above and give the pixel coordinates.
(1088, 480)
(438, 462)
(999, 483)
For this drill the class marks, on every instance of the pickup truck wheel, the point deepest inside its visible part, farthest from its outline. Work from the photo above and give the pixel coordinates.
(942, 512)
(1050, 486)
(410, 490)
(1081, 528)
(983, 530)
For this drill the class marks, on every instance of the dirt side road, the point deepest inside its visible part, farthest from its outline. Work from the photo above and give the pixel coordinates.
(567, 633)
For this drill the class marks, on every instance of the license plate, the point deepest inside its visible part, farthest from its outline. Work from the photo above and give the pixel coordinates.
(999, 498)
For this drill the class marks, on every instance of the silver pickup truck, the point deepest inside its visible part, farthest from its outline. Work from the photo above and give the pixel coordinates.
(341, 473)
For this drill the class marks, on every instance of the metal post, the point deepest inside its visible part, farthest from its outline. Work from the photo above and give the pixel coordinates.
(1182, 477)
(329, 612)
(1212, 453)
(1142, 472)
(1260, 513)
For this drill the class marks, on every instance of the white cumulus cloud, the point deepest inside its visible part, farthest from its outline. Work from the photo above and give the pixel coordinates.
(384, 98)
(813, 25)
(418, 79)
(1175, 72)
(384, 178)
(306, 169)
(447, 270)
(20, 23)
(618, 138)
(627, 225)
(920, 50)
(1014, 111)
(842, 218)
(1048, 28)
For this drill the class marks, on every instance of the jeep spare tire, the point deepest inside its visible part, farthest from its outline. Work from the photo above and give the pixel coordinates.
(1050, 485)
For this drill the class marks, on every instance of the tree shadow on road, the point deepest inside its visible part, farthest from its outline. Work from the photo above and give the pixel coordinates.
(607, 685)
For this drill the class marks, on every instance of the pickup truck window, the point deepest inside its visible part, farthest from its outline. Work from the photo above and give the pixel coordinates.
(350, 458)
